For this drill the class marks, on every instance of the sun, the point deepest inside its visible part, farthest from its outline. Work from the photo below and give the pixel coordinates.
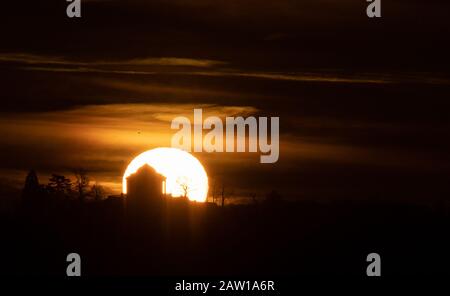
(184, 173)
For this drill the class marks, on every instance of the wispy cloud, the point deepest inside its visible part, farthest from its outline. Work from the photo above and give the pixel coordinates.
(87, 70)
(207, 68)
(99, 138)
(168, 61)
(27, 58)
(305, 77)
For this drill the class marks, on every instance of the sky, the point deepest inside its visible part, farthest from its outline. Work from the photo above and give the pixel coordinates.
(363, 103)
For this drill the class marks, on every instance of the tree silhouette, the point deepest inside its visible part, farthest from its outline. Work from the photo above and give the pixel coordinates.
(97, 191)
(59, 184)
(31, 192)
(184, 185)
(274, 197)
(254, 199)
(223, 195)
(214, 191)
(31, 183)
(82, 183)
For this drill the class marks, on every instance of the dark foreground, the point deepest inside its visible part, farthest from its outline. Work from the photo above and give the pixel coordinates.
(272, 238)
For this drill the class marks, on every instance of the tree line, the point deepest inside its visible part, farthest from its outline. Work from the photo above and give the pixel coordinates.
(59, 185)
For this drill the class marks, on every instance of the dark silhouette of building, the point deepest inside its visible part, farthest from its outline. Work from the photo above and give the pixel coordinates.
(145, 188)
(145, 199)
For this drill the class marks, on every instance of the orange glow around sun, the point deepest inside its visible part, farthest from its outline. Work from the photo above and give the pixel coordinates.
(182, 170)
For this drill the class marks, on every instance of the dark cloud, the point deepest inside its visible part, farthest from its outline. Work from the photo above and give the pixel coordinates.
(307, 33)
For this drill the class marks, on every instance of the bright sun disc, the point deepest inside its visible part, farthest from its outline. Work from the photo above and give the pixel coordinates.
(183, 172)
